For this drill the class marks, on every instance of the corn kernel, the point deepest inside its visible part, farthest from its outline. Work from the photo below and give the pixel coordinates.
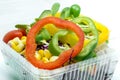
(12, 44)
(53, 58)
(16, 44)
(38, 56)
(41, 52)
(47, 54)
(16, 40)
(24, 42)
(45, 60)
(23, 39)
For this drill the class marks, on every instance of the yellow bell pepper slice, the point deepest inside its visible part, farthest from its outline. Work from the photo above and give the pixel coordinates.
(103, 32)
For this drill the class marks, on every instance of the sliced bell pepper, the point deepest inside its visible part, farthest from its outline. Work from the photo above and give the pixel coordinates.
(103, 32)
(94, 40)
(53, 46)
(65, 55)
(43, 35)
(12, 34)
(91, 55)
(52, 29)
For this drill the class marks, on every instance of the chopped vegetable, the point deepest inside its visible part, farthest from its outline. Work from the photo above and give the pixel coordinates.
(16, 44)
(23, 26)
(12, 34)
(43, 35)
(53, 46)
(57, 39)
(103, 32)
(93, 41)
(64, 56)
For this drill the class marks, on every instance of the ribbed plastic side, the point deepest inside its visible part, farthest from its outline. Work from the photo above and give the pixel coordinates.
(99, 68)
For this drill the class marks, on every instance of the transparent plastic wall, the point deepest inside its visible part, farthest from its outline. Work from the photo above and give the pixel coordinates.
(99, 68)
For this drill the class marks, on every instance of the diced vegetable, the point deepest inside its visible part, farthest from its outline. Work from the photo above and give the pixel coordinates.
(16, 44)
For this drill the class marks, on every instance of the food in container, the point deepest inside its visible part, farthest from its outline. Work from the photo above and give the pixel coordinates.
(59, 46)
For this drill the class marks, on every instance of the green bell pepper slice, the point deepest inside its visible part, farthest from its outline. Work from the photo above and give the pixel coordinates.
(43, 35)
(91, 55)
(53, 45)
(92, 30)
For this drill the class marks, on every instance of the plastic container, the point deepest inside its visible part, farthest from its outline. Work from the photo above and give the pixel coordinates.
(99, 68)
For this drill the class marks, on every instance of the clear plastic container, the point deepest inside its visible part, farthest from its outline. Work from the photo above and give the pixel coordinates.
(99, 68)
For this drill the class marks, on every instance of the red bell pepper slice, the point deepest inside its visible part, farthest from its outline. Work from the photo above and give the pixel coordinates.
(64, 56)
(12, 34)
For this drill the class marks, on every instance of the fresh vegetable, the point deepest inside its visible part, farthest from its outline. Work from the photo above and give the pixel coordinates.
(65, 13)
(64, 56)
(17, 44)
(91, 55)
(93, 36)
(52, 29)
(43, 35)
(75, 10)
(23, 26)
(12, 34)
(103, 32)
(53, 46)
(44, 14)
(57, 39)
(55, 8)
(45, 56)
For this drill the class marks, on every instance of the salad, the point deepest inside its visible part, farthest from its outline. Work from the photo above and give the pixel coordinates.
(57, 39)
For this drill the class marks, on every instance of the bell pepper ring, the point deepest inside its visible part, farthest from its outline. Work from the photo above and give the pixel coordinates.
(53, 45)
(93, 42)
(65, 55)
(12, 34)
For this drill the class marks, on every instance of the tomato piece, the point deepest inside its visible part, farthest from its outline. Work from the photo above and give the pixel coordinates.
(12, 34)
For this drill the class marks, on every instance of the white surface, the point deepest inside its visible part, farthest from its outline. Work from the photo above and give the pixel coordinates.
(24, 11)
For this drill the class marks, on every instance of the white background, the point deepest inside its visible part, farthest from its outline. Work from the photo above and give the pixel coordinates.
(24, 11)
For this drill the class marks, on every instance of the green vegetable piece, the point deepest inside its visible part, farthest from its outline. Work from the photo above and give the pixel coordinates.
(85, 29)
(37, 19)
(55, 8)
(75, 10)
(93, 42)
(23, 26)
(65, 13)
(86, 50)
(44, 14)
(43, 35)
(91, 55)
(53, 46)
